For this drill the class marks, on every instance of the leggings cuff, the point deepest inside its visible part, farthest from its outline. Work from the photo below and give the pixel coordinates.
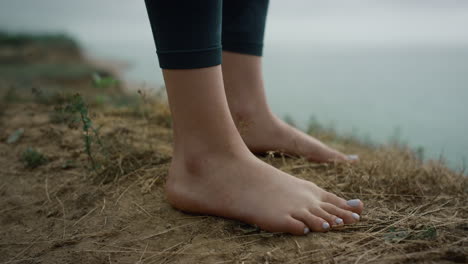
(190, 59)
(236, 42)
(244, 48)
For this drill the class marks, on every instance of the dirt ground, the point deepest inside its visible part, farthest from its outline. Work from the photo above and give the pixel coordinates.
(70, 194)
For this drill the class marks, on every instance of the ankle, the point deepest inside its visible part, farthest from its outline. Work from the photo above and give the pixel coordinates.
(248, 114)
(192, 168)
(195, 162)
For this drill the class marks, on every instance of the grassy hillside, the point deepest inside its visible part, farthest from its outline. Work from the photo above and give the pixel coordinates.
(84, 161)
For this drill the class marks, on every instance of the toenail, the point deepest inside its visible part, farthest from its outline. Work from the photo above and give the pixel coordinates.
(325, 225)
(339, 221)
(353, 157)
(354, 202)
(306, 231)
(355, 216)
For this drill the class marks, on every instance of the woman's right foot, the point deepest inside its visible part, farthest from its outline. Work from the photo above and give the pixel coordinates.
(237, 185)
(213, 172)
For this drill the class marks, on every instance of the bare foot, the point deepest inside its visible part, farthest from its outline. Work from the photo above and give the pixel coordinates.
(266, 132)
(239, 186)
(213, 171)
(261, 130)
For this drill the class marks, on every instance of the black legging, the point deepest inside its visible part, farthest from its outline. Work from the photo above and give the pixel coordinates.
(192, 33)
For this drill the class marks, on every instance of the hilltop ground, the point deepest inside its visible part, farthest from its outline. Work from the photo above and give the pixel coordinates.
(82, 176)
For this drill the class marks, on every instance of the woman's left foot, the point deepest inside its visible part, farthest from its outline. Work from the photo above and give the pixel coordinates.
(269, 133)
(261, 130)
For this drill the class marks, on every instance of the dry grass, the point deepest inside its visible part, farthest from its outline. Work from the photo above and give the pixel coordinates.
(61, 212)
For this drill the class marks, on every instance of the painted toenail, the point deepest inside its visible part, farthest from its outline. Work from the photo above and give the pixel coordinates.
(354, 202)
(325, 225)
(339, 221)
(353, 157)
(355, 216)
(306, 231)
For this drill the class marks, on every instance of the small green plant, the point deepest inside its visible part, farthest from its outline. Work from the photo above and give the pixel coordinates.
(101, 99)
(103, 81)
(33, 158)
(74, 112)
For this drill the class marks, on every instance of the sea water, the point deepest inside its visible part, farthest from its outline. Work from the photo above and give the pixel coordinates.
(415, 95)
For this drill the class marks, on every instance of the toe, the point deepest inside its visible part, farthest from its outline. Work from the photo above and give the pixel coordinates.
(352, 158)
(338, 156)
(331, 218)
(296, 227)
(347, 216)
(326, 155)
(354, 205)
(313, 222)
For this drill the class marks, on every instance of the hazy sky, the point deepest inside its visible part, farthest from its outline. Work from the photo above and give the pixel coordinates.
(358, 22)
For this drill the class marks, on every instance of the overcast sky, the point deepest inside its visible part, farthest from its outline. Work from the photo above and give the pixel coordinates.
(357, 22)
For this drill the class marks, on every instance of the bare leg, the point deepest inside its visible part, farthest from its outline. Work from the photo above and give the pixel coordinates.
(213, 172)
(260, 128)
